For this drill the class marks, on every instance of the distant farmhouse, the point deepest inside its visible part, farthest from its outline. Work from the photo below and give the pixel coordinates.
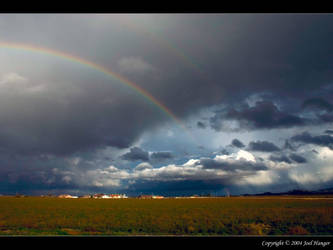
(118, 196)
(158, 197)
(96, 196)
(67, 196)
(110, 196)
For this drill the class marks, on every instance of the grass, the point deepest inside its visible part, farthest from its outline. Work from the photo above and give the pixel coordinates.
(209, 216)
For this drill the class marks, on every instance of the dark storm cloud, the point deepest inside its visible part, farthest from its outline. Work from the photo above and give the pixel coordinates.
(183, 187)
(287, 145)
(30, 173)
(273, 62)
(277, 62)
(237, 143)
(224, 152)
(136, 154)
(263, 146)
(280, 158)
(322, 108)
(28, 187)
(320, 140)
(326, 117)
(318, 103)
(297, 158)
(328, 131)
(37, 125)
(160, 156)
(216, 121)
(264, 115)
(201, 125)
(288, 159)
(232, 165)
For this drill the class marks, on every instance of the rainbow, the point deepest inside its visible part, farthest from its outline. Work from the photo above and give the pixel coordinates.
(99, 68)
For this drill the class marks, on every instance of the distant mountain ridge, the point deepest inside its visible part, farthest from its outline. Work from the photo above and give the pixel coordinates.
(296, 192)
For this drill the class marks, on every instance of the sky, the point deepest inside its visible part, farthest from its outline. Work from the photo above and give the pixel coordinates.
(165, 104)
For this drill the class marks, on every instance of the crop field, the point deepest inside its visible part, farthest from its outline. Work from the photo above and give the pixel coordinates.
(201, 216)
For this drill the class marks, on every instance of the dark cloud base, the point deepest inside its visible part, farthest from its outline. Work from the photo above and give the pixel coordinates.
(237, 143)
(263, 146)
(136, 154)
(307, 138)
(174, 188)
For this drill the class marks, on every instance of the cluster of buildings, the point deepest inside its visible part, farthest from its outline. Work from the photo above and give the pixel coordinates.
(67, 196)
(123, 196)
(110, 196)
(96, 196)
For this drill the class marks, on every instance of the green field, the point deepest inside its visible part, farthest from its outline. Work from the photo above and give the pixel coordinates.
(206, 216)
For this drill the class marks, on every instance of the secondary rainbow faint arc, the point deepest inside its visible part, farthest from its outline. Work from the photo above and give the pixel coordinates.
(171, 47)
(162, 42)
(99, 68)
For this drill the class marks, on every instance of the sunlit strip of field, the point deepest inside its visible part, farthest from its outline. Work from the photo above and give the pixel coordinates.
(283, 215)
